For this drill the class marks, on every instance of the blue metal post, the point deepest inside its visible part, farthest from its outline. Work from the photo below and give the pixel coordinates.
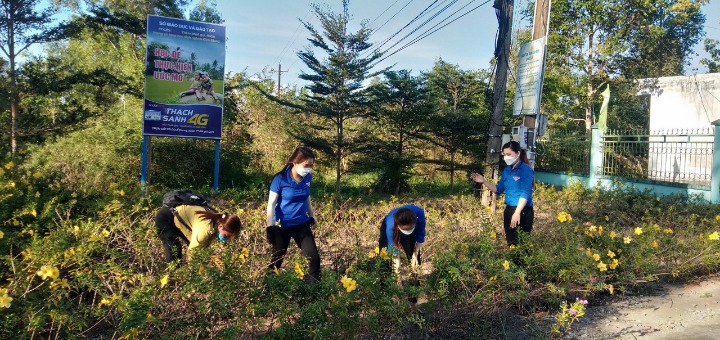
(143, 169)
(217, 166)
(715, 171)
(596, 156)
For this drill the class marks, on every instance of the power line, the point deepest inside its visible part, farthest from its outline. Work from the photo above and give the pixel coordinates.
(383, 12)
(430, 31)
(422, 13)
(292, 40)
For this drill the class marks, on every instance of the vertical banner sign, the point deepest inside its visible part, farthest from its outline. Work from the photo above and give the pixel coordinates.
(531, 64)
(184, 82)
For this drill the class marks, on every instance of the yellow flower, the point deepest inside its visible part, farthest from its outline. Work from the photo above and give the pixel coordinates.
(596, 257)
(627, 240)
(610, 254)
(299, 271)
(164, 280)
(668, 231)
(9, 165)
(348, 283)
(638, 231)
(607, 218)
(564, 217)
(717, 217)
(48, 271)
(16, 223)
(654, 244)
(371, 254)
(377, 250)
(244, 252)
(26, 253)
(384, 254)
(76, 229)
(611, 289)
(60, 284)
(105, 301)
(5, 301)
(588, 252)
(614, 264)
(512, 247)
(656, 227)
(275, 270)
(602, 266)
(11, 184)
(506, 265)
(104, 233)
(613, 235)
(493, 235)
(2, 234)
(3, 291)
(121, 192)
(714, 236)
(600, 230)
(592, 228)
(34, 213)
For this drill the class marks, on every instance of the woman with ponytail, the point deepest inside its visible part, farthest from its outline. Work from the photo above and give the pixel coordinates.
(404, 229)
(194, 225)
(289, 203)
(517, 184)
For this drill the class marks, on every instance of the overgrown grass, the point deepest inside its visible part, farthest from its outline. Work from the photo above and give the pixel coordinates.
(111, 280)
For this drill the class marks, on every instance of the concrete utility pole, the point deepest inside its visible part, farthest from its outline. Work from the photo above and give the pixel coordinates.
(504, 9)
(279, 72)
(541, 25)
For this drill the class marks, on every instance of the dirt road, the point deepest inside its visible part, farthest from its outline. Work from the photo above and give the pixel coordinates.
(688, 311)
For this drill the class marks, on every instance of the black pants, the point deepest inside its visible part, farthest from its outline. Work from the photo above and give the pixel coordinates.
(171, 237)
(304, 238)
(408, 243)
(527, 215)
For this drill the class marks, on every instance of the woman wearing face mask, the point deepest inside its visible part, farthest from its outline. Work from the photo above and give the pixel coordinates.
(194, 225)
(517, 183)
(289, 203)
(404, 229)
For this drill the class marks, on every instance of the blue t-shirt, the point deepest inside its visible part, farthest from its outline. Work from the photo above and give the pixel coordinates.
(418, 233)
(516, 182)
(291, 207)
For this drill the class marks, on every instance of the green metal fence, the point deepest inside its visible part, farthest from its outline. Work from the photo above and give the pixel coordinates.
(563, 152)
(679, 156)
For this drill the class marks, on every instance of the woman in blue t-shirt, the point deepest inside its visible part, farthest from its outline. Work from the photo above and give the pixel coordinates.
(517, 184)
(403, 228)
(289, 203)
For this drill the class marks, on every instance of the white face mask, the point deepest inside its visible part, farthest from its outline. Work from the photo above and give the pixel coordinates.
(509, 160)
(407, 232)
(302, 171)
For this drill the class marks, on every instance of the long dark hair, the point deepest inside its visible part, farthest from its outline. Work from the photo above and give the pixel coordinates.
(229, 222)
(300, 155)
(515, 147)
(404, 216)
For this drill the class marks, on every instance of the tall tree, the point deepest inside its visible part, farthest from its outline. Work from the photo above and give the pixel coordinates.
(336, 80)
(206, 11)
(21, 26)
(402, 107)
(460, 115)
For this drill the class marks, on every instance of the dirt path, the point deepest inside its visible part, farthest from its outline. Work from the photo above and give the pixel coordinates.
(689, 311)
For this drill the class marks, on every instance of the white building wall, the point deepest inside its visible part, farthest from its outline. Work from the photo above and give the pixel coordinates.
(682, 110)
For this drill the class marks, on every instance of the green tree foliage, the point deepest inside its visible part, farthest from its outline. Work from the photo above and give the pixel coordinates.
(21, 26)
(336, 82)
(402, 108)
(712, 47)
(206, 11)
(461, 114)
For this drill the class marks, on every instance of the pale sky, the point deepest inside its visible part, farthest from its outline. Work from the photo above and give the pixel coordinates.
(263, 33)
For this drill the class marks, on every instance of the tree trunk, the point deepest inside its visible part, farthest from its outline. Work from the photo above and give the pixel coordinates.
(452, 171)
(399, 155)
(13, 87)
(339, 155)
